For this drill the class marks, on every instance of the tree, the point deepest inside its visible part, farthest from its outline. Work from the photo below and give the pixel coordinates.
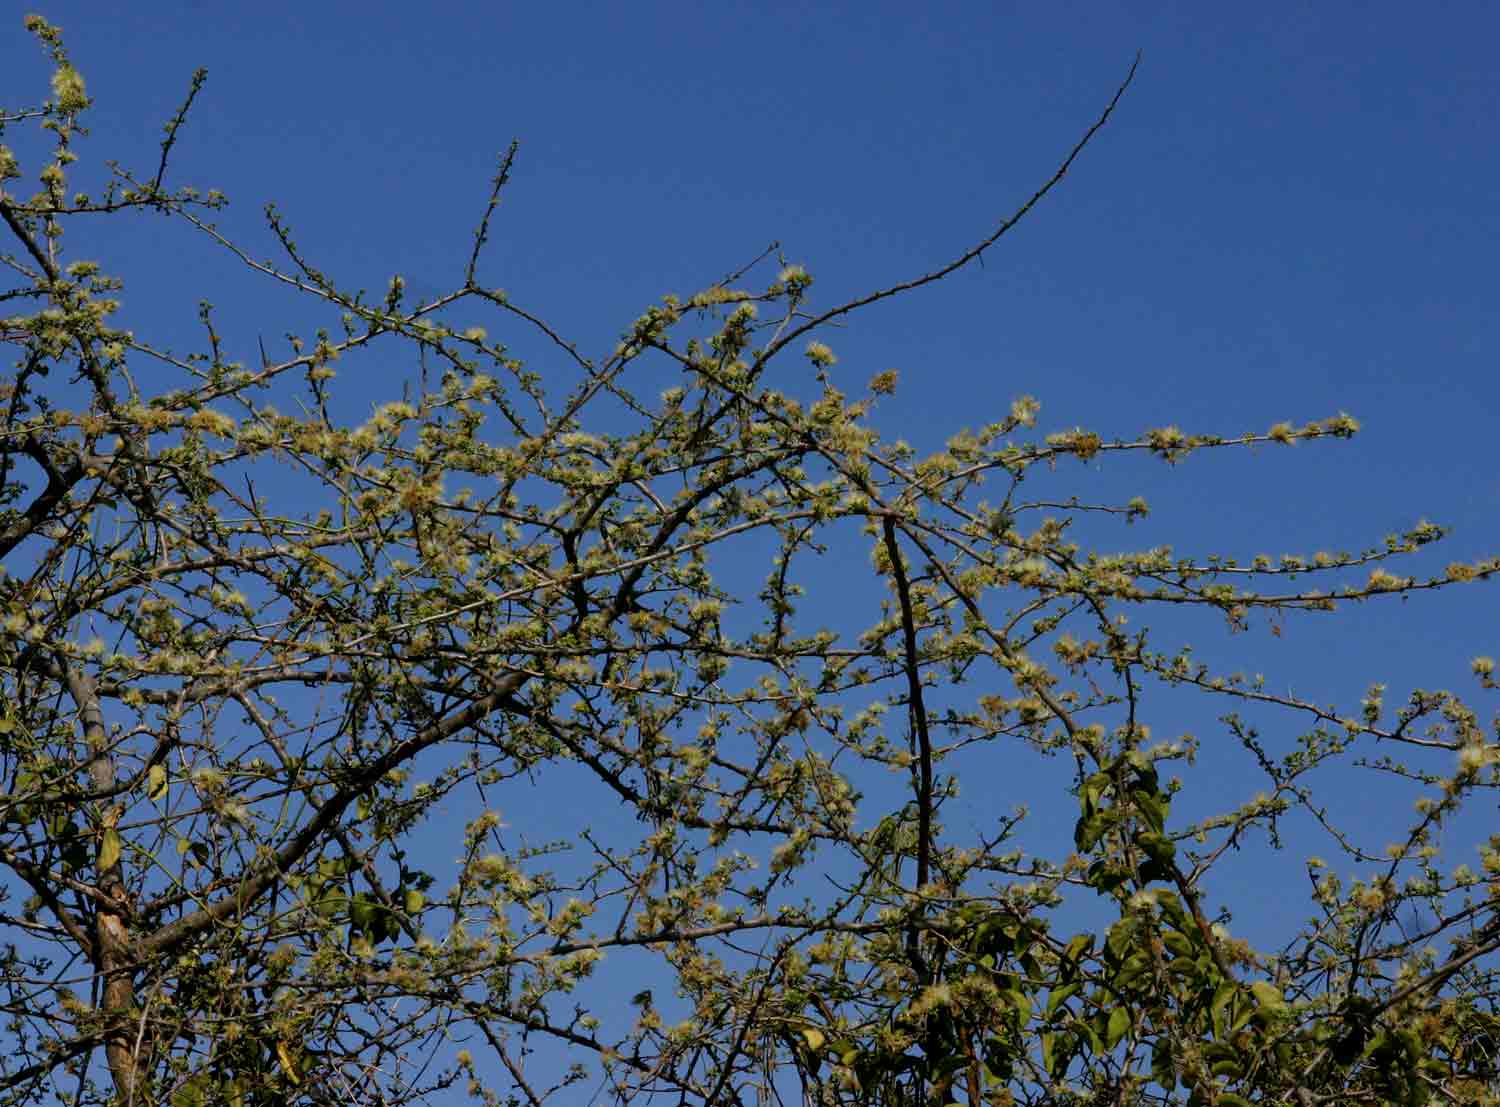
(229, 724)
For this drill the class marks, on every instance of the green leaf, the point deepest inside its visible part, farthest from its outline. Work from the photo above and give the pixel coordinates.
(1077, 946)
(413, 901)
(1146, 776)
(109, 850)
(1411, 1042)
(813, 1037)
(1172, 910)
(1119, 1023)
(389, 925)
(1121, 935)
(1092, 791)
(1269, 997)
(363, 912)
(1106, 875)
(1178, 943)
(1153, 805)
(1060, 996)
(1163, 1064)
(1135, 966)
(192, 1092)
(156, 782)
(1089, 830)
(1244, 1012)
(1219, 1008)
(946, 1067)
(1157, 845)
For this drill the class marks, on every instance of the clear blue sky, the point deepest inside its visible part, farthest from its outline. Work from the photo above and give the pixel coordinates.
(1293, 213)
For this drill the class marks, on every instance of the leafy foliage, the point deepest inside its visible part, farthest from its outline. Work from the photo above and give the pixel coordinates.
(256, 652)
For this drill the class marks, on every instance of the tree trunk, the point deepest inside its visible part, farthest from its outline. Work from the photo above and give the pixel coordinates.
(111, 954)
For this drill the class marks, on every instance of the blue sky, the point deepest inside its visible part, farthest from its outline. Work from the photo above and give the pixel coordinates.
(1292, 214)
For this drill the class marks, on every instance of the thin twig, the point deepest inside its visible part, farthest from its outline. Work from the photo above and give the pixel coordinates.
(969, 255)
(483, 233)
(175, 125)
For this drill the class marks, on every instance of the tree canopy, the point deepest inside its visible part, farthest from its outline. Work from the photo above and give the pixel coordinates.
(270, 670)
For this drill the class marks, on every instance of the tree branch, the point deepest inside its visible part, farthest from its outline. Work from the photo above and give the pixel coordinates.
(172, 936)
(919, 725)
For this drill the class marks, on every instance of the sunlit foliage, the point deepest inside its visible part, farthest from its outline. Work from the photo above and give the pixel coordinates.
(255, 651)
